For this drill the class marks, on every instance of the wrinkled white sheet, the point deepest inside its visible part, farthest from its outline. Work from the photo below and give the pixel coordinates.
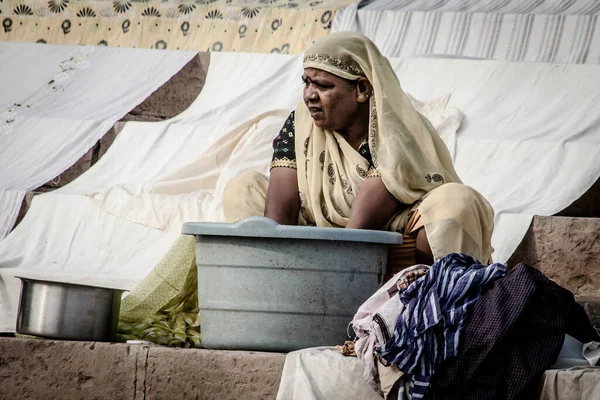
(577, 354)
(573, 383)
(549, 7)
(529, 140)
(57, 101)
(322, 373)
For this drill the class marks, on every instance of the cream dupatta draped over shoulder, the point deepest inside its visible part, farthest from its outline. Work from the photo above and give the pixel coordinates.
(406, 151)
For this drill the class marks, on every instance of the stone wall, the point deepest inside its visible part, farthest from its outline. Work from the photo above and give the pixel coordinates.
(566, 250)
(176, 95)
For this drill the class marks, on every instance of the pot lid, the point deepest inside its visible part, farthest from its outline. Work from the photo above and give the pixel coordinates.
(72, 279)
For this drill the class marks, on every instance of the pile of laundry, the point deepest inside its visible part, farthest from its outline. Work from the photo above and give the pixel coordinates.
(463, 330)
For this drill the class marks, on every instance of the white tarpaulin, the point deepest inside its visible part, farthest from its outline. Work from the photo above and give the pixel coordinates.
(57, 101)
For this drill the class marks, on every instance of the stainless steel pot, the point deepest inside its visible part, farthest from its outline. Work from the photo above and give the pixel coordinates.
(68, 311)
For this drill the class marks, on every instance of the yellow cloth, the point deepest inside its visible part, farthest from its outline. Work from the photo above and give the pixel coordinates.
(407, 153)
(215, 25)
(163, 308)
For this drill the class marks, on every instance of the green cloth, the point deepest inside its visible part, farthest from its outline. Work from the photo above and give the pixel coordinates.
(163, 307)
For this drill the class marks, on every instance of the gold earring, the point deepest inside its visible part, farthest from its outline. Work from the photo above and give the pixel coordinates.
(362, 98)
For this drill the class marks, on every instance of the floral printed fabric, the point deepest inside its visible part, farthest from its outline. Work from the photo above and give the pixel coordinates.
(284, 149)
(265, 26)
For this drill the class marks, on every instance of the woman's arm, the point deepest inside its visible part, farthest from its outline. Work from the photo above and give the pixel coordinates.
(373, 206)
(283, 203)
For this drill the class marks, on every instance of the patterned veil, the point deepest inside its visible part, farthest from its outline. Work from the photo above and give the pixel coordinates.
(407, 153)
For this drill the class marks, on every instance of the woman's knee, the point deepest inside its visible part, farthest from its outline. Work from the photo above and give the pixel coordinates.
(453, 191)
(463, 199)
(243, 183)
(244, 195)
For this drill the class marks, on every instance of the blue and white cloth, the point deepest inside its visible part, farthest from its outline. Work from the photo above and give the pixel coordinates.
(437, 306)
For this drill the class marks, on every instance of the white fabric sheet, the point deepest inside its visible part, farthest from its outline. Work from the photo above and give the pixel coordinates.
(10, 204)
(498, 30)
(577, 354)
(529, 139)
(57, 101)
(553, 7)
(321, 373)
(573, 383)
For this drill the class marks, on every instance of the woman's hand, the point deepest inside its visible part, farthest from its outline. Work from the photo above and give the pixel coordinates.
(373, 206)
(283, 203)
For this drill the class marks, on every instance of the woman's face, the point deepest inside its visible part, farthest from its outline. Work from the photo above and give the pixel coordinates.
(331, 100)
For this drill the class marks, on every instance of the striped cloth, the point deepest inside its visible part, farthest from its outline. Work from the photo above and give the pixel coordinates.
(437, 305)
(570, 7)
(548, 31)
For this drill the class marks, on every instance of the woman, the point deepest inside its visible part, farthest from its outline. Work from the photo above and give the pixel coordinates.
(356, 154)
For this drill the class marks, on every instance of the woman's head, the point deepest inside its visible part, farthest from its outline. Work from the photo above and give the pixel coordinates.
(336, 90)
(334, 103)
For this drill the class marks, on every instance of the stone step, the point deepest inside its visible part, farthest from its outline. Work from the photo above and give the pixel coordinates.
(61, 370)
(64, 370)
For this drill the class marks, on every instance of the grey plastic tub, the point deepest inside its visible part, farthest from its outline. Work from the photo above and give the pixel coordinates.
(265, 286)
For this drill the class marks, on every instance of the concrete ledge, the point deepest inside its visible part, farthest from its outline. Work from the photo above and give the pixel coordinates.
(48, 369)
